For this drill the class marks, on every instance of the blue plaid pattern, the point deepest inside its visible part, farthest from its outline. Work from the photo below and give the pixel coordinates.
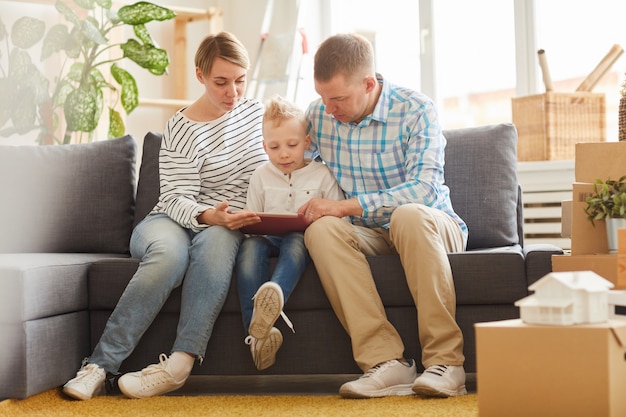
(392, 157)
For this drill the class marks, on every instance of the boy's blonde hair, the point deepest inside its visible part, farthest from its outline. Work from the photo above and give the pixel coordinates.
(349, 54)
(277, 109)
(221, 45)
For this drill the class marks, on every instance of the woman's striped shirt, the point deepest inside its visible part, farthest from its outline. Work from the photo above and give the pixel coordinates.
(204, 163)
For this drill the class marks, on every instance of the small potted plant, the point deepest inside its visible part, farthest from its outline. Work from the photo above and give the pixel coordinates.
(608, 202)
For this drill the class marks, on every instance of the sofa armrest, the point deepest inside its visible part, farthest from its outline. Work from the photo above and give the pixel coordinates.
(539, 260)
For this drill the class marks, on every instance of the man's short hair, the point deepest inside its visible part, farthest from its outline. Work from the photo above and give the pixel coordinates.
(346, 54)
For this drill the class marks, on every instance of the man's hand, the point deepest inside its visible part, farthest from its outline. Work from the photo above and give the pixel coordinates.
(320, 207)
(220, 216)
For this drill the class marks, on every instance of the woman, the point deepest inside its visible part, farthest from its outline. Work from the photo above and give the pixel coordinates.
(191, 237)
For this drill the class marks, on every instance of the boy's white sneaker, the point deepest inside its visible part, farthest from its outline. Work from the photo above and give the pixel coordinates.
(89, 381)
(385, 379)
(153, 380)
(441, 381)
(268, 306)
(264, 350)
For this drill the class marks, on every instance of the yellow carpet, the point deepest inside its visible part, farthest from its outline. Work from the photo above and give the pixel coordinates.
(53, 404)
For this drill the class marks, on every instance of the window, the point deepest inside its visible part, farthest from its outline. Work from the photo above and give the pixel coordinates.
(576, 35)
(472, 58)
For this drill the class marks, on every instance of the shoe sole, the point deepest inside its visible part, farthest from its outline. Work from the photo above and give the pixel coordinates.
(78, 395)
(427, 391)
(396, 390)
(155, 393)
(268, 304)
(266, 350)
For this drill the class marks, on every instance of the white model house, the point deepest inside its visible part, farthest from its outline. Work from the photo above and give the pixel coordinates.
(565, 298)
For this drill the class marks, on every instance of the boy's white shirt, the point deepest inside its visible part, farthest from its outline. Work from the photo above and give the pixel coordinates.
(272, 191)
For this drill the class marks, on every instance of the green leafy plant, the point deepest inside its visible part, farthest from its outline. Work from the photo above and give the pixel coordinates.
(608, 200)
(32, 100)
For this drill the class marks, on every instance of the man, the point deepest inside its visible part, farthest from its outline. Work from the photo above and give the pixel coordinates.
(385, 146)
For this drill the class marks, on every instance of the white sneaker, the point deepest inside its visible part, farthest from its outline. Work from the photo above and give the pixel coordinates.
(268, 306)
(264, 350)
(388, 378)
(150, 381)
(89, 381)
(441, 381)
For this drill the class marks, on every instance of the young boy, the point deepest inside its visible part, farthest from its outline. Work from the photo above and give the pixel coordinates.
(281, 185)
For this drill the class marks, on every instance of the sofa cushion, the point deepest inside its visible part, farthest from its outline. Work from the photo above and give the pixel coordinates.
(481, 172)
(70, 198)
(148, 186)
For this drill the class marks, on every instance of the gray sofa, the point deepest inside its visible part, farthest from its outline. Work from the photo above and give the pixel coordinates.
(66, 217)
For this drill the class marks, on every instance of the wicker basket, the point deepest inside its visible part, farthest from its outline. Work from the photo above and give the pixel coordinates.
(622, 119)
(550, 124)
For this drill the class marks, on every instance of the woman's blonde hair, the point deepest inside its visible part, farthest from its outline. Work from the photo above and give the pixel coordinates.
(346, 54)
(221, 45)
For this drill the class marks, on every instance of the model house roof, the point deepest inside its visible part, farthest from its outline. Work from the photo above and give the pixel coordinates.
(577, 280)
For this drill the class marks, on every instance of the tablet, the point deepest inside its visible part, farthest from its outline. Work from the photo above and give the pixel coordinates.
(277, 224)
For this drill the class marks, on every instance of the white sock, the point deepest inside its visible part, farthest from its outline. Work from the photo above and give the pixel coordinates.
(180, 364)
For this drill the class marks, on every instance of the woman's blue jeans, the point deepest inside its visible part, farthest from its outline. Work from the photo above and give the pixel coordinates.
(253, 267)
(170, 255)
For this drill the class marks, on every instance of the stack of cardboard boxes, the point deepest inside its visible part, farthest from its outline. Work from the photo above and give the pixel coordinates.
(564, 370)
(601, 160)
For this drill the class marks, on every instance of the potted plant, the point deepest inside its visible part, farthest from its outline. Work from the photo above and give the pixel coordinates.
(608, 202)
(74, 98)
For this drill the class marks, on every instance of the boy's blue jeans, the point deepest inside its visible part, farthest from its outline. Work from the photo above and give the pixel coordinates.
(170, 255)
(253, 267)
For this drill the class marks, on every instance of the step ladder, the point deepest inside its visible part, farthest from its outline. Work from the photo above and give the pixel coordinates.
(282, 47)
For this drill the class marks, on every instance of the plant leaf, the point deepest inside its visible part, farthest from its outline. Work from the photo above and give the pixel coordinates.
(85, 4)
(130, 92)
(24, 111)
(144, 36)
(19, 65)
(153, 59)
(81, 110)
(66, 11)
(91, 31)
(105, 4)
(74, 41)
(27, 31)
(143, 12)
(98, 80)
(3, 31)
(8, 91)
(116, 124)
(56, 40)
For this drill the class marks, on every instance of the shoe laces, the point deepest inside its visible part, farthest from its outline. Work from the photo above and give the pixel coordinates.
(89, 374)
(156, 374)
(438, 370)
(287, 321)
(377, 369)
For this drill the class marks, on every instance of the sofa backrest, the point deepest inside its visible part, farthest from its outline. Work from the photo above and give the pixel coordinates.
(481, 172)
(68, 198)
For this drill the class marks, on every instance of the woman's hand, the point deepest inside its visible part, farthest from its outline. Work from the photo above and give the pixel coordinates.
(221, 216)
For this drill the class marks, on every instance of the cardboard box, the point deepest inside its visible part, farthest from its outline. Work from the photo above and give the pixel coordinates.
(621, 241)
(602, 160)
(536, 370)
(587, 239)
(566, 218)
(609, 266)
